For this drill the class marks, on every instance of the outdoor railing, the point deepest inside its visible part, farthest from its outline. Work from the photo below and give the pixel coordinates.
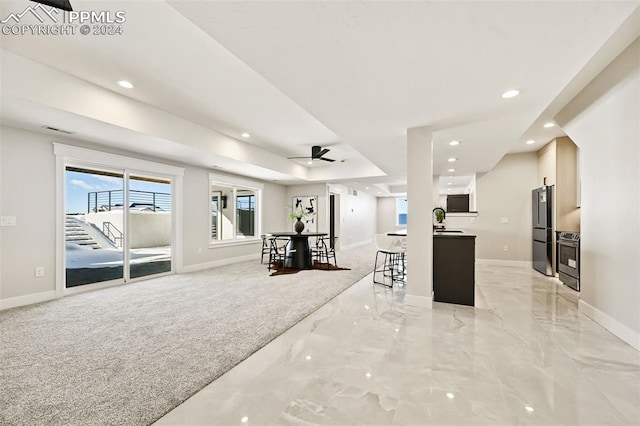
(113, 233)
(100, 201)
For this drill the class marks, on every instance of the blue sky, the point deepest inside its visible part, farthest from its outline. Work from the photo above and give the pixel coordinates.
(78, 185)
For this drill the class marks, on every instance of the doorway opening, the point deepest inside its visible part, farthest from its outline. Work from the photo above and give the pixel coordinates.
(117, 226)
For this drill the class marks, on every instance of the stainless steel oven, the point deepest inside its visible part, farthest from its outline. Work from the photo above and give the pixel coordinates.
(569, 259)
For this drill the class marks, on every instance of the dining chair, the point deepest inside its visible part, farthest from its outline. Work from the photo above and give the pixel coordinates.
(277, 252)
(324, 250)
(266, 246)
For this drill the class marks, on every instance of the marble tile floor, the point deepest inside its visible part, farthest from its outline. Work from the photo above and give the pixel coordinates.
(523, 355)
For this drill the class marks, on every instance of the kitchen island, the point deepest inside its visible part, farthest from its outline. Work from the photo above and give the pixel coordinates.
(454, 253)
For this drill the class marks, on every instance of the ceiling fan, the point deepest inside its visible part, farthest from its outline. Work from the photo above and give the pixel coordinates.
(317, 153)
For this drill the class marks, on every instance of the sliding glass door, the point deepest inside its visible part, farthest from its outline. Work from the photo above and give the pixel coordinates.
(117, 226)
(94, 226)
(149, 225)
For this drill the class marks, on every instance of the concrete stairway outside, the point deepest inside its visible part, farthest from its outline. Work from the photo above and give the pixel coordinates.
(76, 233)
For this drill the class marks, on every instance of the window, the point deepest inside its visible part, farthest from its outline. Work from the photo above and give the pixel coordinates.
(401, 212)
(235, 213)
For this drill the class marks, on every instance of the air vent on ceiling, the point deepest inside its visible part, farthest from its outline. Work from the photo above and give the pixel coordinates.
(55, 129)
(352, 191)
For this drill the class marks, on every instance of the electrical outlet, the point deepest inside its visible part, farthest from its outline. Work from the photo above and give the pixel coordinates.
(8, 221)
(505, 220)
(505, 248)
(39, 271)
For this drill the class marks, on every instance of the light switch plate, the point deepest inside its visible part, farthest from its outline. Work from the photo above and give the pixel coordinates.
(8, 221)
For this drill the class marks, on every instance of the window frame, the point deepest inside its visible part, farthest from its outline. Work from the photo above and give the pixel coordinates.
(70, 155)
(398, 199)
(236, 184)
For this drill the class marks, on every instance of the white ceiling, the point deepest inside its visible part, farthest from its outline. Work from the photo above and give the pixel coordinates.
(352, 76)
(455, 184)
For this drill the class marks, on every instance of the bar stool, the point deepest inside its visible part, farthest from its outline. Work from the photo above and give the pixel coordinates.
(392, 251)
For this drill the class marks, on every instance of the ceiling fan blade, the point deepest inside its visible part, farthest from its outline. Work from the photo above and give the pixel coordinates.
(321, 153)
(327, 159)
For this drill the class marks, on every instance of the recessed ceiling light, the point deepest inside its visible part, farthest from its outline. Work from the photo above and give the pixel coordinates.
(530, 142)
(529, 408)
(450, 395)
(245, 135)
(510, 93)
(368, 374)
(449, 183)
(547, 125)
(244, 419)
(366, 187)
(309, 162)
(454, 143)
(452, 170)
(308, 357)
(126, 84)
(452, 159)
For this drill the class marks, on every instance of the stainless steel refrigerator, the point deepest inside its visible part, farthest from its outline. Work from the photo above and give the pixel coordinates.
(542, 204)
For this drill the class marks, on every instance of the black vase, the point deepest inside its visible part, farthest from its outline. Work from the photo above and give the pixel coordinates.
(299, 226)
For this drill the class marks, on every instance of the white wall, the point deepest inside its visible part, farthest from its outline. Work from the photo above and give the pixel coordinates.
(357, 213)
(27, 191)
(319, 189)
(386, 217)
(357, 216)
(603, 121)
(504, 192)
(196, 227)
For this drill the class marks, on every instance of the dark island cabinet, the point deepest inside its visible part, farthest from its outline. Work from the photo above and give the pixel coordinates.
(454, 268)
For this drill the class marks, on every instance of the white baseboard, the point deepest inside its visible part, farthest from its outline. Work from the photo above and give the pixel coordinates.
(419, 301)
(29, 299)
(355, 245)
(500, 262)
(625, 333)
(216, 263)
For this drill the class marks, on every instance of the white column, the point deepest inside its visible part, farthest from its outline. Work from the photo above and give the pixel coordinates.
(419, 226)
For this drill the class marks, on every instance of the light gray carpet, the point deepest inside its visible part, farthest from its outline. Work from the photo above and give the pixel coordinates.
(128, 355)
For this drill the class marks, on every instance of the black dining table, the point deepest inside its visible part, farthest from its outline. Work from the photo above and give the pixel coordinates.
(298, 253)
